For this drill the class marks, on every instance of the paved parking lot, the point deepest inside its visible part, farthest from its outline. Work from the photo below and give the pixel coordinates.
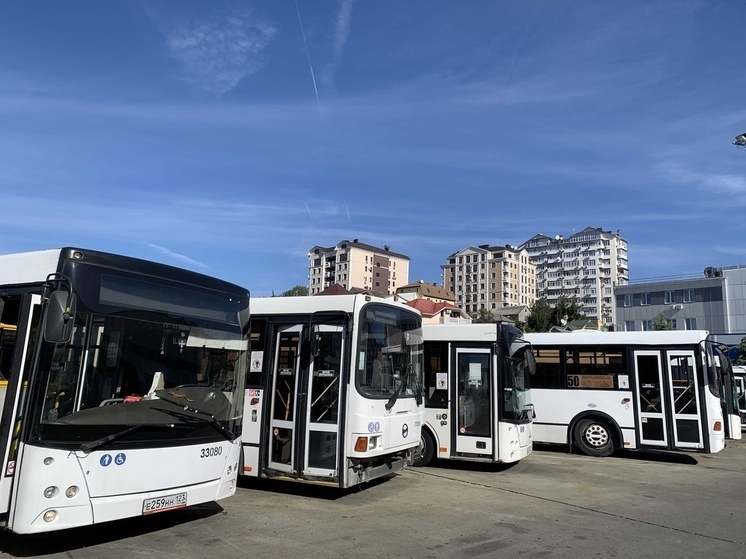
(553, 504)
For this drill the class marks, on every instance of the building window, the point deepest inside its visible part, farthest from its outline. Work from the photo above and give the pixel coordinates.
(672, 323)
(645, 299)
(689, 296)
(647, 325)
(690, 323)
(629, 325)
(628, 299)
(669, 297)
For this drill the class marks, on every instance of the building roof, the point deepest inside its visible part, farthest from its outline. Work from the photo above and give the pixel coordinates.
(337, 289)
(356, 244)
(428, 290)
(334, 289)
(429, 308)
(487, 248)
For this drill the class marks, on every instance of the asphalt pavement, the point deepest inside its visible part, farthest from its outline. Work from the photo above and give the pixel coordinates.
(553, 504)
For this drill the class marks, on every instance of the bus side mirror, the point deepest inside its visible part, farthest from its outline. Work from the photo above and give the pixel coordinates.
(58, 324)
(531, 362)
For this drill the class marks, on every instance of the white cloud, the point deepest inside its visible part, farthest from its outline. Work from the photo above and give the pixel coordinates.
(219, 50)
(176, 256)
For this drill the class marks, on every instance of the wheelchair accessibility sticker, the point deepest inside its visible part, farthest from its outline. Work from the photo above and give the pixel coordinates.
(119, 459)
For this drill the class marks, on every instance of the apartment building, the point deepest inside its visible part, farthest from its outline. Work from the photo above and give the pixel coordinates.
(355, 264)
(714, 301)
(584, 267)
(490, 277)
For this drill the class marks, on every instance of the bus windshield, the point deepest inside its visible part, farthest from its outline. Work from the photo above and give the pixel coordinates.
(390, 354)
(518, 365)
(156, 366)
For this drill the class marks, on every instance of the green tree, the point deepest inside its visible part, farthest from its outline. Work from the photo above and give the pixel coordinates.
(539, 317)
(483, 316)
(542, 316)
(661, 323)
(297, 290)
(566, 310)
(741, 349)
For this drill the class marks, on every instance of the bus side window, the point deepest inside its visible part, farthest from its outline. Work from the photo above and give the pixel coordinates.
(436, 370)
(548, 368)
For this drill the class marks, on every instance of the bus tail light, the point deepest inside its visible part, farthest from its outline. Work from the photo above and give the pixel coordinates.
(718, 426)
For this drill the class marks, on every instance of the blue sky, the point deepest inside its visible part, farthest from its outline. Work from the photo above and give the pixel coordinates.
(230, 139)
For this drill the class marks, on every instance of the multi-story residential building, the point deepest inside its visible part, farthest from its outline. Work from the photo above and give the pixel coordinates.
(585, 267)
(490, 277)
(354, 264)
(714, 301)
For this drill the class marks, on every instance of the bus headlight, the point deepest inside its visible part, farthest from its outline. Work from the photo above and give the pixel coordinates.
(364, 444)
(50, 516)
(71, 491)
(50, 492)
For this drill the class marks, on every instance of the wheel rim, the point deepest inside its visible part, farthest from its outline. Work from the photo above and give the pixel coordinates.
(596, 435)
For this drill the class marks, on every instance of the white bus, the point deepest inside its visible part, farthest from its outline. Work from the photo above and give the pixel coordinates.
(477, 393)
(603, 391)
(334, 389)
(118, 396)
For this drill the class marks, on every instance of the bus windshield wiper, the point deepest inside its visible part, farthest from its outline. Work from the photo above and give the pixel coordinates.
(215, 424)
(103, 441)
(395, 395)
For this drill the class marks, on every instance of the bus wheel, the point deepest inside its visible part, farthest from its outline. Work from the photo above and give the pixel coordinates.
(423, 454)
(593, 437)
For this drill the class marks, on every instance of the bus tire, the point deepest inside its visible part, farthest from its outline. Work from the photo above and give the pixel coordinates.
(423, 454)
(593, 437)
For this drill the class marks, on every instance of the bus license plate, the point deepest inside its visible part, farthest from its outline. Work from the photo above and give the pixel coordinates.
(169, 502)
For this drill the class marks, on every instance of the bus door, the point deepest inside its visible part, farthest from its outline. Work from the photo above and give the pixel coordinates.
(306, 388)
(322, 435)
(473, 402)
(685, 402)
(651, 404)
(19, 317)
(285, 375)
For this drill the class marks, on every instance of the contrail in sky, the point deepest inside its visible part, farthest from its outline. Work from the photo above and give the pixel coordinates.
(313, 77)
(309, 215)
(348, 212)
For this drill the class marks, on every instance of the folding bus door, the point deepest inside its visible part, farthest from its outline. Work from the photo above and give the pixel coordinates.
(284, 413)
(19, 319)
(306, 388)
(322, 436)
(474, 431)
(685, 402)
(651, 401)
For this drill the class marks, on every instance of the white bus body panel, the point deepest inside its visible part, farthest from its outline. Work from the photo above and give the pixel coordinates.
(392, 431)
(28, 267)
(251, 431)
(715, 414)
(515, 442)
(148, 473)
(556, 410)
